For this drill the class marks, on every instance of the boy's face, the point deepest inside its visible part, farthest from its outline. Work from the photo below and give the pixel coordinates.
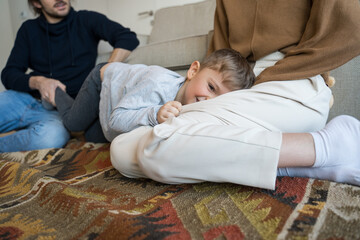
(54, 10)
(203, 85)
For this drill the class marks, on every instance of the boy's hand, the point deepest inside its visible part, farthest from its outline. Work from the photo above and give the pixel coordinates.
(168, 110)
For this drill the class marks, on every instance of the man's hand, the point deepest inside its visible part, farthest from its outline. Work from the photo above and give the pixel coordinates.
(168, 110)
(46, 87)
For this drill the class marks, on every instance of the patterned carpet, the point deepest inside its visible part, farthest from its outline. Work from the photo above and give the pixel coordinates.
(74, 193)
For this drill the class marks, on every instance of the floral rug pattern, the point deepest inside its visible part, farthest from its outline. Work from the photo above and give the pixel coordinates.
(75, 193)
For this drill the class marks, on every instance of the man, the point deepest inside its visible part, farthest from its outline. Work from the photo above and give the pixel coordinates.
(60, 49)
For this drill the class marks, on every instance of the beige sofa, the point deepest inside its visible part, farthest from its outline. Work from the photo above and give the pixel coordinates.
(180, 35)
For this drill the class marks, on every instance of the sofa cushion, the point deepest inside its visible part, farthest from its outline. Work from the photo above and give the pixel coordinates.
(175, 54)
(183, 21)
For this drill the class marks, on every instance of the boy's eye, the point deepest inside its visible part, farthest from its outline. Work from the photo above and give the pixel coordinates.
(211, 87)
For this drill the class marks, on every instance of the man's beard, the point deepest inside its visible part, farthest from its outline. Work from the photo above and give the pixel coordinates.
(58, 16)
(54, 14)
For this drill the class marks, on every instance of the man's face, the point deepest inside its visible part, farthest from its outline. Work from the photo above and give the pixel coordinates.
(204, 85)
(54, 10)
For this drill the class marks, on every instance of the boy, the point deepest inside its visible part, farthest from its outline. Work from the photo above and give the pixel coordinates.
(117, 98)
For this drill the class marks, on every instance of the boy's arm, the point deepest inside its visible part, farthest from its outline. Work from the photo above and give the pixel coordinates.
(138, 109)
(136, 105)
(124, 120)
(133, 94)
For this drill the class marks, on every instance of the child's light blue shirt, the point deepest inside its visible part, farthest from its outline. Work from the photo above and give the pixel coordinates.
(131, 96)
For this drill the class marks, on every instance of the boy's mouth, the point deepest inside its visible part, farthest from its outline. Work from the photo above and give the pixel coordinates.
(200, 99)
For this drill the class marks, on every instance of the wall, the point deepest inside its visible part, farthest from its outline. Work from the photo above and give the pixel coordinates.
(169, 3)
(7, 36)
(127, 12)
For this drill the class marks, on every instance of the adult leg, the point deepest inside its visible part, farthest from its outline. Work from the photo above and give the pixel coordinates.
(82, 114)
(201, 152)
(36, 128)
(297, 150)
(232, 138)
(12, 107)
(335, 152)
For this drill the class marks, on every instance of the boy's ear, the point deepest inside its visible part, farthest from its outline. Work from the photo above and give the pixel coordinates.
(193, 70)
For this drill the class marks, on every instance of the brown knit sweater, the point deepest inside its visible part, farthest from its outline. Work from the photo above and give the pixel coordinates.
(316, 36)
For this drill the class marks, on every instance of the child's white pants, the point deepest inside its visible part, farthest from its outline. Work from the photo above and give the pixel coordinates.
(235, 137)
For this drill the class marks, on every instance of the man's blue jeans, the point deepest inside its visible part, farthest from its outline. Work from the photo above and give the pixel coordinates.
(36, 127)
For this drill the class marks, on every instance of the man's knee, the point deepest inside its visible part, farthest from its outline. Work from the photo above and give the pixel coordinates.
(13, 100)
(50, 134)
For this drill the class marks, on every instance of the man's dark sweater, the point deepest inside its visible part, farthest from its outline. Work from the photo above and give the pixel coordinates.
(65, 51)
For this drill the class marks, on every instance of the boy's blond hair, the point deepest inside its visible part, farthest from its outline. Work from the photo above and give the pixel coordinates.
(236, 71)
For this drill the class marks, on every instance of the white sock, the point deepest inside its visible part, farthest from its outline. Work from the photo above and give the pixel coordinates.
(348, 175)
(337, 148)
(338, 143)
